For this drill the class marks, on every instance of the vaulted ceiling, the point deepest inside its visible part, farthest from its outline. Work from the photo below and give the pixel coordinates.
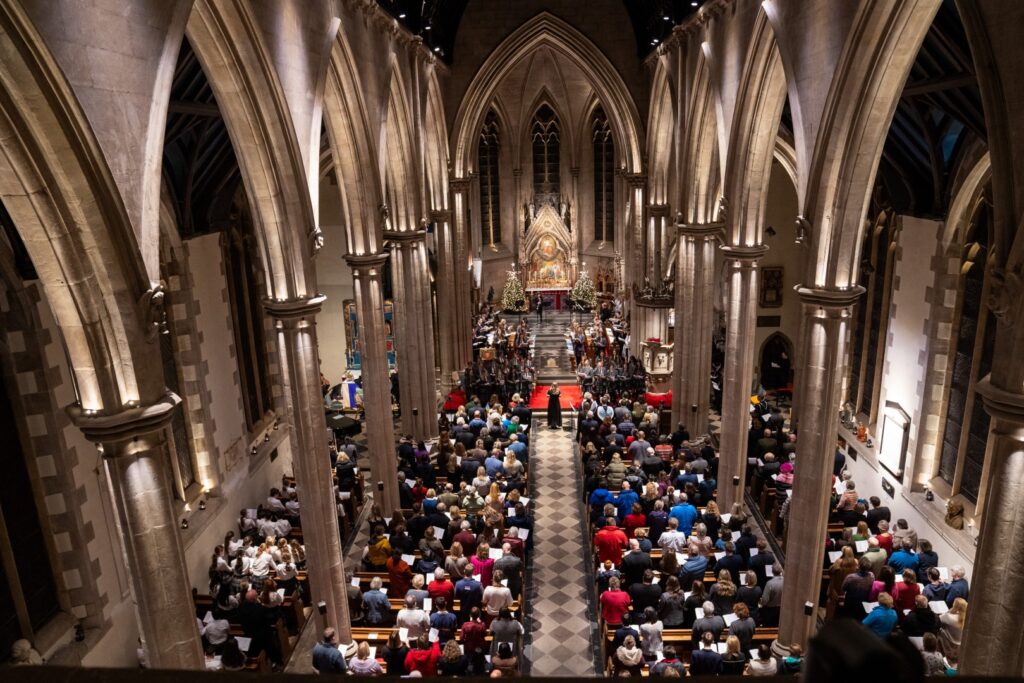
(437, 21)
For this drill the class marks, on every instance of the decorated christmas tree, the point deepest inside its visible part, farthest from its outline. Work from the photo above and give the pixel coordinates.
(513, 298)
(582, 294)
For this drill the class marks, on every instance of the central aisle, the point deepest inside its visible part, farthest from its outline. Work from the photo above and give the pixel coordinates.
(562, 623)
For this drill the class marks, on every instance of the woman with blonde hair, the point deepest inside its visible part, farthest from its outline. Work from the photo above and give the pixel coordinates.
(629, 659)
(511, 466)
(362, 664)
(452, 661)
(481, 483)
(483, 565)
(733, 661)
(723, 593)
(712, 519)
(951, 629)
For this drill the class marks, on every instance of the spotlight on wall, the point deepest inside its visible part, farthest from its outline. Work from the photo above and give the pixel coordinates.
(184, 523)
(202, 505)
(266, 437)
(808, 608)
(770, 231)
(929, 495)
(321, 607)
(735, 481)
(254, 450)
(276, 426)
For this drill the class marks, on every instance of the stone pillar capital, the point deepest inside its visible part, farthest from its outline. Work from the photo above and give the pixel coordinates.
(749, 253)
(133, 422)
(700, 230)
(404, 236)
(292, 309)
(362, 264)
(1000, 403)
(832, 301)
(459, 184)
(658, 210)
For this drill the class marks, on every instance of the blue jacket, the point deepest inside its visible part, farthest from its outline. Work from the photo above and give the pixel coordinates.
(469, 593)
(902, 559)
(686, 514)
(625, 503)
(327, 659)
(881, 621)
(957, 589)
(378, 608)
(600, 497)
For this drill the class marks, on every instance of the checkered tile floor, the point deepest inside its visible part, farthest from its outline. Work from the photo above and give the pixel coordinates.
(561, 618)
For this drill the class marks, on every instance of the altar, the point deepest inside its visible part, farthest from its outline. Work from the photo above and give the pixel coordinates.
(557, 299)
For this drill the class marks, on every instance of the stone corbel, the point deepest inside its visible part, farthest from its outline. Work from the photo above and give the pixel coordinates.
(1006, 295)
(153, 311)
(316, 240)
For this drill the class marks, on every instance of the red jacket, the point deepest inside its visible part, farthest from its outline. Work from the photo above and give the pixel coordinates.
(610, 542)
(633, 522)
(424, 661)
(614, 606)
(474, 635)
(400, 578)
(517, 546)
(442, 589)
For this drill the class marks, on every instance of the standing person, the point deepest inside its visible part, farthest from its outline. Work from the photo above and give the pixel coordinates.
(327, 658)
(538, 303)
(554, 407)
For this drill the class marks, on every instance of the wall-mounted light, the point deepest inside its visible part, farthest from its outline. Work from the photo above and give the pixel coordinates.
(253, 450)
(184, 523)
(770, 231)
(266, 437)
(276, 426)
(202, 505)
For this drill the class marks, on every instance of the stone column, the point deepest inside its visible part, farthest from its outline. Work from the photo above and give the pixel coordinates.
(134, 448)
(993, 641)
(741, 271)
(448, 331)
(695, 311)
(368, 283)
(463, 280)
(634, 254)
(294, 323)
(826, 315)
(414, 332)
(657, 219)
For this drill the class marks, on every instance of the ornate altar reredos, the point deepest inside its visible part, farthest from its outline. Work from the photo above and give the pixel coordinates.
(548, 248)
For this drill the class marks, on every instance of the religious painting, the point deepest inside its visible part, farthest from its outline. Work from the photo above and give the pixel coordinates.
(771, 287)
(547, 256)
(353, 354)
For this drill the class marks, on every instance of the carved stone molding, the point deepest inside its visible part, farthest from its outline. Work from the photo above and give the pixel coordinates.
(290, 309)
(1001, 404)
(154, 311)
(741, 252)
(132, 422)
(1005, 296)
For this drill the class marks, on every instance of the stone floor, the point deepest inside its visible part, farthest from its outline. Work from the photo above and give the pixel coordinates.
(562, 621)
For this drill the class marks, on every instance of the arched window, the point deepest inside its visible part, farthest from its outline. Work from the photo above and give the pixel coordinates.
(544, 134)
(487, 164)
(604, 178)
(965, 433)
(872, 315)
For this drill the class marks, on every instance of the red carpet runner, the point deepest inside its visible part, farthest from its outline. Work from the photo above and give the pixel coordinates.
(570, 394)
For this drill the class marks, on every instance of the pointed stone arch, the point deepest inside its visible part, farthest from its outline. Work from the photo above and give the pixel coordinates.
(547, 30)
(660, 136)
(64, 202)
(249, 95)
(398, 158)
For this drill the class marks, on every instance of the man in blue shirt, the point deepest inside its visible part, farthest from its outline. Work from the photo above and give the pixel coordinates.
(706, 661)
(685, 513)
(626, 500)
(493, 464)
(958, 587)
(469, 592)
(518, 447)
(476, 424)
(327, 658)
(904, 558)
(444, 621)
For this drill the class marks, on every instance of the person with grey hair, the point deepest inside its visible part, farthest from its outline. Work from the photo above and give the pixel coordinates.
(413, 618)
(709, 623)
(376, 603)
(958, 587)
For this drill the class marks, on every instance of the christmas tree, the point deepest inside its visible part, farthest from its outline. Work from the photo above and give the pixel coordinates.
(582, 294)
(513, 299)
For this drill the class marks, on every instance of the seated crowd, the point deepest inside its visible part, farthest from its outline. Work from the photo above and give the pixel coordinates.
(442, 578)
(685, 587)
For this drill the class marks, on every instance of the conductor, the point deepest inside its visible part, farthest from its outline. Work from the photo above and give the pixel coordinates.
(539, 303)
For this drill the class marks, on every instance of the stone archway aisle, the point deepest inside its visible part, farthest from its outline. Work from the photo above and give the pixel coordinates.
(562, 620)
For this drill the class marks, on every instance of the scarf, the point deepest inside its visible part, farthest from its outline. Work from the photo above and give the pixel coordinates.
(634, 657)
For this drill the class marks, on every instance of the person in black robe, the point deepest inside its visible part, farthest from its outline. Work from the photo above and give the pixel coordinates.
(554, 407)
